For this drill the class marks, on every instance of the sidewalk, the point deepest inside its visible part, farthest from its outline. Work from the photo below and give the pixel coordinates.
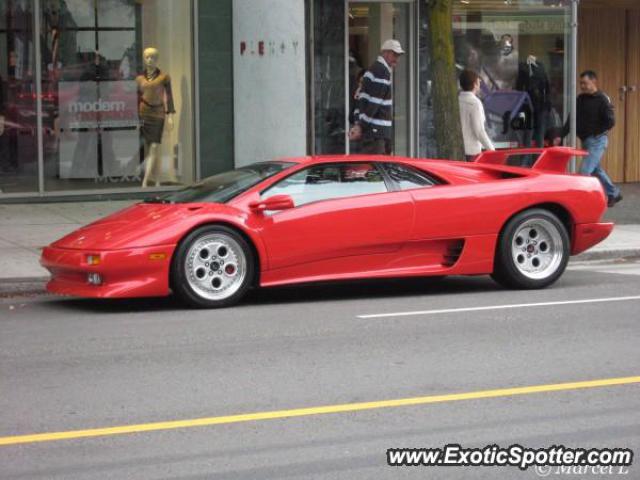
(25, 228)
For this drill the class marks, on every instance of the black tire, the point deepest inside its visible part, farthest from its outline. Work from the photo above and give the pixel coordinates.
(204, 286)
(542, 256)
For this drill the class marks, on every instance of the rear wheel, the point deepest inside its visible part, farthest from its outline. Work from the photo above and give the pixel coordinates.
(533, 250)
(213, 267)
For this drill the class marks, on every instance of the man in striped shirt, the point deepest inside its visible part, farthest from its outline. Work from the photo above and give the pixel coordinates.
(375, 103)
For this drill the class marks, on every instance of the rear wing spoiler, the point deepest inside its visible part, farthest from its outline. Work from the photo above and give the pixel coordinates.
(552, 159)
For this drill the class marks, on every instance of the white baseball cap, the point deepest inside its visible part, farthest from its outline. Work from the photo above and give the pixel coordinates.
(393, 45)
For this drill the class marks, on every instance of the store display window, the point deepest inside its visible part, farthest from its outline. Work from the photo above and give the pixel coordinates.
(519, 50)
(114, 89)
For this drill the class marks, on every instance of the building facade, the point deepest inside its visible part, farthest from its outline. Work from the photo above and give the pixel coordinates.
(85, 110)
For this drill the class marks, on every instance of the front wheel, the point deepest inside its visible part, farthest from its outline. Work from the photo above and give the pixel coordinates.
(213, 267)
(532, 252)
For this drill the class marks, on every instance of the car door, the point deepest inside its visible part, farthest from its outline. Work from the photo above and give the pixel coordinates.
(430, 215)
(341, 210)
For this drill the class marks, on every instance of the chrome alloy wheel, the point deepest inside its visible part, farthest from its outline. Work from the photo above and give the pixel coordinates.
(537, 249)
(215, 266)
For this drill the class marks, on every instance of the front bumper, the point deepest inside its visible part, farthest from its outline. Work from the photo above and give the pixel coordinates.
(586, 235)
(135, 272)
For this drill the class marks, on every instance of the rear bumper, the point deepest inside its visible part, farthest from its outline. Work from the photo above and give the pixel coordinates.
(586, 235)
(136, 272)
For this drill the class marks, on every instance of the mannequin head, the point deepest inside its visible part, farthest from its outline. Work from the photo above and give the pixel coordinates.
(150, 58)
(506, 44)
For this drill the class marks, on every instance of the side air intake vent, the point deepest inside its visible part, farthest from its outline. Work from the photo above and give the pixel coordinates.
(454, 250)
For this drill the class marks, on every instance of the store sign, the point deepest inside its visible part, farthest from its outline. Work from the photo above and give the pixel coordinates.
(526, 25)
(99, 106)
(268, 47)
(548, 25)
(89, 105)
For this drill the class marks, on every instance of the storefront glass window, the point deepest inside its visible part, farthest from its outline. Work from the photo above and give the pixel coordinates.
(18, 139)
(347, 40)
(329, 81)
(520, 48)
(370, 24)
(110, 119)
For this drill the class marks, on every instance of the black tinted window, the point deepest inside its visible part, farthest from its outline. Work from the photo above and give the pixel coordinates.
(225, 186)
(407, 178)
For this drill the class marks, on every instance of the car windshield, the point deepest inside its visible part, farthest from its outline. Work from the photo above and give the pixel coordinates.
(225, 186)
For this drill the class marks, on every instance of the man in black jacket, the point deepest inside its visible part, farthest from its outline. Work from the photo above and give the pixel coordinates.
(375, 104)
(595, 117)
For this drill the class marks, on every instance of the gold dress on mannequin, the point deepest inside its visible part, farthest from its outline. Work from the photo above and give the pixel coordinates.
(156, 101)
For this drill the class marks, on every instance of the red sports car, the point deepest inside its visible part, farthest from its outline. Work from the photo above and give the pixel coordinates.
(336, 218)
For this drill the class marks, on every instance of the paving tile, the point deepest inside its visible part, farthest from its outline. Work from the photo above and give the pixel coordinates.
(35, 236)
(18, 262)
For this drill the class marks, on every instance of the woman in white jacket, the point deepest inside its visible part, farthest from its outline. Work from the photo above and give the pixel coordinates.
(472, 116)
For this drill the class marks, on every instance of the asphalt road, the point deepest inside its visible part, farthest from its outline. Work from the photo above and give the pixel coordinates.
(78, 365)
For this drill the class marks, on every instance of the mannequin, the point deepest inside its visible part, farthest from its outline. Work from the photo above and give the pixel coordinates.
(156, 105)
(533, 79)
(499, 67)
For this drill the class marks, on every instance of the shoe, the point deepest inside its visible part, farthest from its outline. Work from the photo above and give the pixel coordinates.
(613, 200)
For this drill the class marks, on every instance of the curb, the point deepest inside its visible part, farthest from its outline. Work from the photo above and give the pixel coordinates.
(22, 286)
(622, 253)
(22, 280)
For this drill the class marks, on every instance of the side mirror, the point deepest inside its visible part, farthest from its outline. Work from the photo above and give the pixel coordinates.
(277, 202)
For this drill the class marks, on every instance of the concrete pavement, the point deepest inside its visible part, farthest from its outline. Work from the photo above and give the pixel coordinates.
(25, 228)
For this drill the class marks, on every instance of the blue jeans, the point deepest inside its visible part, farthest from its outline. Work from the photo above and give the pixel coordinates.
(591, 163)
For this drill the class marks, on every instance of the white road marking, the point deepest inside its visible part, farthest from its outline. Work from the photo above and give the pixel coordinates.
(499, 307)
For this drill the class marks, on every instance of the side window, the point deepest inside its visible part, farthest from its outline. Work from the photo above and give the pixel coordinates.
(324, 182)
(407, 178)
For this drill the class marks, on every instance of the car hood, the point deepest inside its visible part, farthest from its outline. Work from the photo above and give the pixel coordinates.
(141, 225)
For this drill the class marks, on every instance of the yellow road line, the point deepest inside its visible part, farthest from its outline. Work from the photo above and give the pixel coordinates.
(302, 412)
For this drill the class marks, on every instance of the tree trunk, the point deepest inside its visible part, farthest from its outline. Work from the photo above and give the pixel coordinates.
(446, 110)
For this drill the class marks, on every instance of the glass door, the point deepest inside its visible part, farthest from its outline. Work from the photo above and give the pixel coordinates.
(18, 99)
(368, 25)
